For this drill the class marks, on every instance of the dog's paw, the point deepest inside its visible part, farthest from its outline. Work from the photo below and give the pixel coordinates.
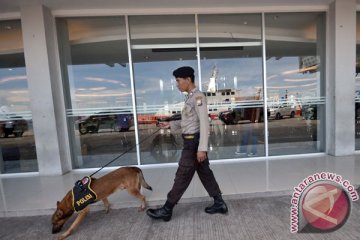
(107, 210)
(61, 237)
(64, 235)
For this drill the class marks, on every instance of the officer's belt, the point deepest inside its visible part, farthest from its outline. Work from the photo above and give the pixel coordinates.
(190, 136)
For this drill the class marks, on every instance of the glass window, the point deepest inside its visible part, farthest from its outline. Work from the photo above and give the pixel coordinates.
(101, 115)
(17, 143)
(295, 51)
(94, 58)
(232, 71)
(160, 44)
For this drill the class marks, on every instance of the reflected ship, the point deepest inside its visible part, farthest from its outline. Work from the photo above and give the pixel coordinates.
(229, 106)
(221, 103)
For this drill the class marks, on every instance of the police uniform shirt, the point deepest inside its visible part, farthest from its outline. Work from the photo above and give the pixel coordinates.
(194, 118)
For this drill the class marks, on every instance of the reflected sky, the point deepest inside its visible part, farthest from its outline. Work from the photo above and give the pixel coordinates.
(14, 94)
(101, 85)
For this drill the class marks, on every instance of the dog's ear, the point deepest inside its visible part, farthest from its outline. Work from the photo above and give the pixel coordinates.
(57, 203)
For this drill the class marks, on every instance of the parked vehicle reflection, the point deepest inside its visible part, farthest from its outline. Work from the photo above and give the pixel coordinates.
(115, 121)
(11, 124)
(279, 111)
(237, 114)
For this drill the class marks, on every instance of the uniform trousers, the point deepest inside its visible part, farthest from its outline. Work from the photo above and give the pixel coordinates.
(188, 164)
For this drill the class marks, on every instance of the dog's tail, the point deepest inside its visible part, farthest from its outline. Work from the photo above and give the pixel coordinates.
(143, 182)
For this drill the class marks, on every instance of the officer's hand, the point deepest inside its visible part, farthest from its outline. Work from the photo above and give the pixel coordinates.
(164, 125)
(201, 156)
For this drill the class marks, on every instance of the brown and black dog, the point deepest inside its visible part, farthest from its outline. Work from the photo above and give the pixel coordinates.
(130, 178)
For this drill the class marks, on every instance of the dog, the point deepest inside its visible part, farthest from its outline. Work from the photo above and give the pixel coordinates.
(129, 178)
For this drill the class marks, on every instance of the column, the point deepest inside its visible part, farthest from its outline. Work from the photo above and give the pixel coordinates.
(340, 109)
(46, 89)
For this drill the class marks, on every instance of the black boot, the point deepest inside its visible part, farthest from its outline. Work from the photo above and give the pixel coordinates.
(219, 206)
(163, 213)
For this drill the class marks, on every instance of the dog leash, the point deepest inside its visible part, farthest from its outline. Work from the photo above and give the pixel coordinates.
(168, 119)
(124, 153)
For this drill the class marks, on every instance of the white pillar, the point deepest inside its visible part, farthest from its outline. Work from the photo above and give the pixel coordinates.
(340, 114)
(46, 89)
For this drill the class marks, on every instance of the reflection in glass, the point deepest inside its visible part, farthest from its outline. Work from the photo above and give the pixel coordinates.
(231, 69)
(295, 49)
(98, 90)
(228, 62)
(159, 45)
(17, 143)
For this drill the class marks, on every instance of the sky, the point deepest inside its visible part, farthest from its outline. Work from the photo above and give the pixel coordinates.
(104, 86)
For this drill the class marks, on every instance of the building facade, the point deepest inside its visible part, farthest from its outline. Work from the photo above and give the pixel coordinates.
(80, 85)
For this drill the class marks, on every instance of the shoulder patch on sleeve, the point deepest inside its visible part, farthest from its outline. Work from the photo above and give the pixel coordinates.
(199, 100)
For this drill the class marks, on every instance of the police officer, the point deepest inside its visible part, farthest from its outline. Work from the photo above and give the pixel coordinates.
(194, 124)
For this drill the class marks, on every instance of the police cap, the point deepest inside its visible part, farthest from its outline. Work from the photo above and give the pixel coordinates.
(184, 72)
